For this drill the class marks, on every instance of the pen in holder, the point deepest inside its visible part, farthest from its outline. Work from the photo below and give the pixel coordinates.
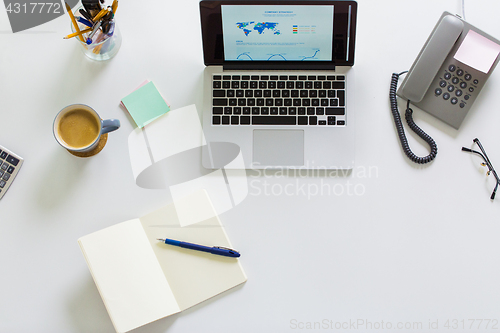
(100, 38)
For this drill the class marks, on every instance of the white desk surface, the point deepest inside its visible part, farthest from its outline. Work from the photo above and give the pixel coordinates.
(413, 246)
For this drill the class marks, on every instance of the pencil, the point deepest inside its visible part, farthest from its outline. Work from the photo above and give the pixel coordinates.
(101, 14)
(68, 8)
(114, 6)
(80, 33)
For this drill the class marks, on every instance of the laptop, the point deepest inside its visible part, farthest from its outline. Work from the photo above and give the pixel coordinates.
(278, 84)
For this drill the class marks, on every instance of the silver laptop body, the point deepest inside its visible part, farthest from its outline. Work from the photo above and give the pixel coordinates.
(234, 128)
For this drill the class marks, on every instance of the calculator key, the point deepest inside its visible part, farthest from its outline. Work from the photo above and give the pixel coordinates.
(2, 183)
(4, 166)
(6, 176)
(3, 155)
(10, 169)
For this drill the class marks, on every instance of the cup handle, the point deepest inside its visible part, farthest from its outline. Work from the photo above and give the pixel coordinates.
(110, 125)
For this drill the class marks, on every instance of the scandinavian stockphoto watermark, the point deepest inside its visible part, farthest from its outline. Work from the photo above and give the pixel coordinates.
(310, 183)
(447, 324)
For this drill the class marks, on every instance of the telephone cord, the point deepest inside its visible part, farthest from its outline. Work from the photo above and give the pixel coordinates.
(409, 119)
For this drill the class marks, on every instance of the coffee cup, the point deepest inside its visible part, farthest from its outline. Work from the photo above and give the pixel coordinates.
(78, 128)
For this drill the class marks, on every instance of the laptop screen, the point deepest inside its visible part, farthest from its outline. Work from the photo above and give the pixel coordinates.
(277, 33)
(288, 34)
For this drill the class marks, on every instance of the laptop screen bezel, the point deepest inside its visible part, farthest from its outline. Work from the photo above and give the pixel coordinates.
(344, 32)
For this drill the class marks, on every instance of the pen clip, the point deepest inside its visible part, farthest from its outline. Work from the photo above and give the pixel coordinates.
(226, 248)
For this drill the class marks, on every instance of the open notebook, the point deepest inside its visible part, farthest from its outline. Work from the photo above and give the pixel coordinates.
(142, 280)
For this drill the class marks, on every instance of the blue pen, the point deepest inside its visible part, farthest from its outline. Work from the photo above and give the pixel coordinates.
(94, 30)
(219, 250)
(84, 21)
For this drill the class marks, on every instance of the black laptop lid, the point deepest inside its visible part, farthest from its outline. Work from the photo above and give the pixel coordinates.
(283, 34)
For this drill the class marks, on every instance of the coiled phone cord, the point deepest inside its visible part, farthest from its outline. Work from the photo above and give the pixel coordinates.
(411, 123)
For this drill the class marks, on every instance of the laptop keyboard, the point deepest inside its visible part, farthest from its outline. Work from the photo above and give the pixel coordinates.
(278, 100)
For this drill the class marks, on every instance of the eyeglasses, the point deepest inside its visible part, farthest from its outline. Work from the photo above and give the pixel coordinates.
(486, 163)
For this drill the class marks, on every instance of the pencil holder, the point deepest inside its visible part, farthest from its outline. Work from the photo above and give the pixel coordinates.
(100, 45)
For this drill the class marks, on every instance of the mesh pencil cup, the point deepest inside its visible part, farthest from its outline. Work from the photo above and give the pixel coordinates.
(103, 46)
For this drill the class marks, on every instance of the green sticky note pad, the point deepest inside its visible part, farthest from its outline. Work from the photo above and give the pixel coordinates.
(145, 104)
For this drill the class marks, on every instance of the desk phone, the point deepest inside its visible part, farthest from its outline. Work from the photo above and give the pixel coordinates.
(451, 69)
(445, 78)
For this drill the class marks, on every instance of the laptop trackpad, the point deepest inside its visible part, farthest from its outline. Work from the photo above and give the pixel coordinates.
(278, 147)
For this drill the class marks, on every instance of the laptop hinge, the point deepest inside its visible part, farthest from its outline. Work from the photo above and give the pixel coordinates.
(277, 65)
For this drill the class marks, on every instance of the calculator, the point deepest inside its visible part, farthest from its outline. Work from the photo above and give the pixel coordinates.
(10, 164)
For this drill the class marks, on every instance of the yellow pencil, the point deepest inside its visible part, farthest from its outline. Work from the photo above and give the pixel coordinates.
(114, 6)
(101, 14)
(68, 8)
(97, 49)
(78, 34)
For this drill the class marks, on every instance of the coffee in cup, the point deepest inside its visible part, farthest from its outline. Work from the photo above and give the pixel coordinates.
(78, 127)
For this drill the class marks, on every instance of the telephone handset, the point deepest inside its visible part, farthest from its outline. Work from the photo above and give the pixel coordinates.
(446, 77)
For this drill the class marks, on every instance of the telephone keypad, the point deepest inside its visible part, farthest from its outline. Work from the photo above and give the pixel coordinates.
(456, 86)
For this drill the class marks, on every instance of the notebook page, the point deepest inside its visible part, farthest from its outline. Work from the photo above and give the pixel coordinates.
(128, 276)
(193, 276)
